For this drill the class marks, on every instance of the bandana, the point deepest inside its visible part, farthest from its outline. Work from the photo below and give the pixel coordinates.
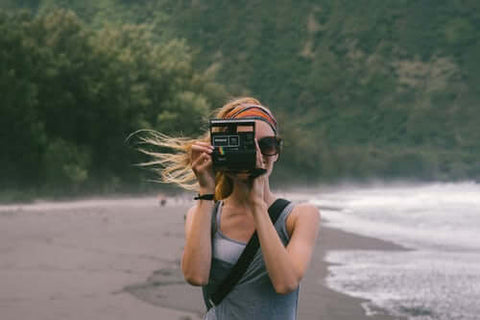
(253, 112)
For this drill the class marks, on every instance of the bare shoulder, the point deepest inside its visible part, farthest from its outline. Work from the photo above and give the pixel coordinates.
(191, 210)
(304, 214)
(306, 210)
(189, 213)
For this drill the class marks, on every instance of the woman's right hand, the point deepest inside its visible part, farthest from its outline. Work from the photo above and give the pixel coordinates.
(201, 162)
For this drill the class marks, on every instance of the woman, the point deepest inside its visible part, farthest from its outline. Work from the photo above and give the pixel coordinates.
(269, 288)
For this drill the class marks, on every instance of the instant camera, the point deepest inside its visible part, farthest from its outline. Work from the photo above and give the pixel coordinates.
(234, 145)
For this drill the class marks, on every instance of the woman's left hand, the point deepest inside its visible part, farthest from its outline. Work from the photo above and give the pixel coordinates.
(254, 186)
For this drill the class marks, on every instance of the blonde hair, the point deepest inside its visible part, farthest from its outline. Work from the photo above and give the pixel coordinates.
(174, 166)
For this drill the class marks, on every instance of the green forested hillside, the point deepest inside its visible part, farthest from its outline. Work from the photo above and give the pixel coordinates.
(71, 95)
(382, 89)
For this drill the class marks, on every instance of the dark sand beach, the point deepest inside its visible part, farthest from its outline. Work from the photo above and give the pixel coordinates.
(120, 259)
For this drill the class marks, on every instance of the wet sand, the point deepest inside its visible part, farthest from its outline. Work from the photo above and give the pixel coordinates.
(119, 259)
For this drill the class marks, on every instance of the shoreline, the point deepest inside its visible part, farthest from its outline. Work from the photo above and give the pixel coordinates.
(332, 304)
(107, 261)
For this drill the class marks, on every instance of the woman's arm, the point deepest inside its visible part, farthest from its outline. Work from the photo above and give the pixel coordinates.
(286, 266)
(197, 252)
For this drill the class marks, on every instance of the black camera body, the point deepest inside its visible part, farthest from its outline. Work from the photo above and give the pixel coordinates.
(234, 145)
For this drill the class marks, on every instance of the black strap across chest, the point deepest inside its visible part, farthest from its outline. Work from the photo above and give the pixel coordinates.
(247, 255)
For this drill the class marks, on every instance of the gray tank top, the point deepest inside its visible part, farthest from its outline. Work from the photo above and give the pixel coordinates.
(253, 297)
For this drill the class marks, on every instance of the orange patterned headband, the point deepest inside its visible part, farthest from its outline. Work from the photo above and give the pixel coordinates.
(253, 112)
